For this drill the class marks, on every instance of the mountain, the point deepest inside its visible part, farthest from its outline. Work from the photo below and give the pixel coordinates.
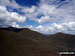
(26, 42)
(14, 44)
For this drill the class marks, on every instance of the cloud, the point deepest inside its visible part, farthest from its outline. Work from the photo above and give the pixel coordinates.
(43, 19)
(7, 17)
(49, 11)
(28, 9)
(15, 25)
(52, 11)
(60, 13)
(54, 28)
(9, 3)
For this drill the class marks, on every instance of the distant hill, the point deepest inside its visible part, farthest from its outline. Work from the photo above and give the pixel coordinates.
(63, 41)
(26, 42)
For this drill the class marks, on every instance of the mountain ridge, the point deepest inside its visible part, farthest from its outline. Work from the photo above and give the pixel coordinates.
(27, 41)
(20, 29)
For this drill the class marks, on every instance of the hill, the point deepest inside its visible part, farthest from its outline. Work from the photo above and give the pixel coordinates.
(13, 44)
(64, 42)
(25, 42)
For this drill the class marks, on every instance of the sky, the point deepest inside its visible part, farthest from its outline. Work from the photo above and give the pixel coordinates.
(44, 16)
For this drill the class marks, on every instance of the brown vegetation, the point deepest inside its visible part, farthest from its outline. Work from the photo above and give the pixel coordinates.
(25, 42)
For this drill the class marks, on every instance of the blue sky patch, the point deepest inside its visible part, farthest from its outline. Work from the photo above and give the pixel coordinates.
(28, 3)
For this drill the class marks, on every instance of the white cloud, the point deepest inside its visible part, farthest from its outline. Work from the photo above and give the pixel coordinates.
(28, 9)
(51, 12)
(10, 17)
(65, 27)
(54, 28)
(58, 27)
(54, 11)
(9, 3)
(43, 19)
(15, 25)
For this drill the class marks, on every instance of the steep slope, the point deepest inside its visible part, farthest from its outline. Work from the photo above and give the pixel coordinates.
(13, 44)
